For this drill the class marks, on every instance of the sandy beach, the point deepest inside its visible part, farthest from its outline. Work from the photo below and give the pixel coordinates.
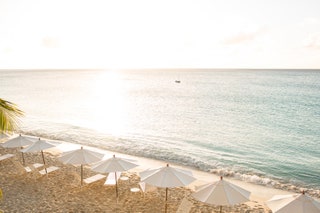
(60, 191)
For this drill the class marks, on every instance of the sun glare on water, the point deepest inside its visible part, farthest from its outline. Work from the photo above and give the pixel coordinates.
(108, 104)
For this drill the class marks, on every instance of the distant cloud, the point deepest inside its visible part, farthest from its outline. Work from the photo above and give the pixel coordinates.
(50, 42)
(313, 41)
(243, 37)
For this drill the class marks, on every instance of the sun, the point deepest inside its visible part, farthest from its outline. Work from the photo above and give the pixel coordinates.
(109, 104)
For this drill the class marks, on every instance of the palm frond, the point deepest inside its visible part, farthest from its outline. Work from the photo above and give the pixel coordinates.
(9, 116)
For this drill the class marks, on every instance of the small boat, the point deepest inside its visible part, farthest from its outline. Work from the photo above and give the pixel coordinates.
(177, 81)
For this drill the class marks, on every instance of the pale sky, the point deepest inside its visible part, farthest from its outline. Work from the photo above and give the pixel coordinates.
(159, 34)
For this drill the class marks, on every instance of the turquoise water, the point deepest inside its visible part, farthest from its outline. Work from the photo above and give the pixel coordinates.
(261, 126)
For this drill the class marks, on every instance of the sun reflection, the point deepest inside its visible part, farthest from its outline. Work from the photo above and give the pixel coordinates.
(109, 114)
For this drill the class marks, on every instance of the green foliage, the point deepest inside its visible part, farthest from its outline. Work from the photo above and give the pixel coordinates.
(9, 114)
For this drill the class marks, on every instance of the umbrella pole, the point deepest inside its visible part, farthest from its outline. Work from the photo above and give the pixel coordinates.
(115, 175)
(23, 161)
(220, 209)
(165, 210)
(81, 174)
(44, 163)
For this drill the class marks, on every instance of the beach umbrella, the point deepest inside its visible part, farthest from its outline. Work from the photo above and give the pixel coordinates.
(115, 165)
(16, 142)
(221, 193)
(39, 146)
(297, 203)
(167, 177)
(81, 156)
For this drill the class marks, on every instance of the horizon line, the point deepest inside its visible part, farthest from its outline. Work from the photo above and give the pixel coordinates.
(133, 69)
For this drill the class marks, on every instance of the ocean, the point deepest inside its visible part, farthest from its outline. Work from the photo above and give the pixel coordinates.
(260, 126)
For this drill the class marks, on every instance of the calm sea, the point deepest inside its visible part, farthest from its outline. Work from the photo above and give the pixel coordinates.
(261, 126)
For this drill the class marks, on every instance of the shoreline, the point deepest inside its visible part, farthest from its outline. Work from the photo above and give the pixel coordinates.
(254, 178)
(201, 176)
(259, 193)
(147, 163)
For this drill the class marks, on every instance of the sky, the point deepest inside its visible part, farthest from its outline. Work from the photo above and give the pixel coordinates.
(124, 34)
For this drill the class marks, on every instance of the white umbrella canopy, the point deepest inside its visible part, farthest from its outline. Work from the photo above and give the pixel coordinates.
(221, 193)
(19, 141)
(81, 157)
(298, 203)
(115, 165)
(167, 177)
(39, 146)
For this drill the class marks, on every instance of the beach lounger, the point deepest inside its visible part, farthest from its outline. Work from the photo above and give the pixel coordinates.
(111, 178)
(185, 206)
(49, 169)
(147, 187)
(33, 167)
(6, 156)
(93, 178)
